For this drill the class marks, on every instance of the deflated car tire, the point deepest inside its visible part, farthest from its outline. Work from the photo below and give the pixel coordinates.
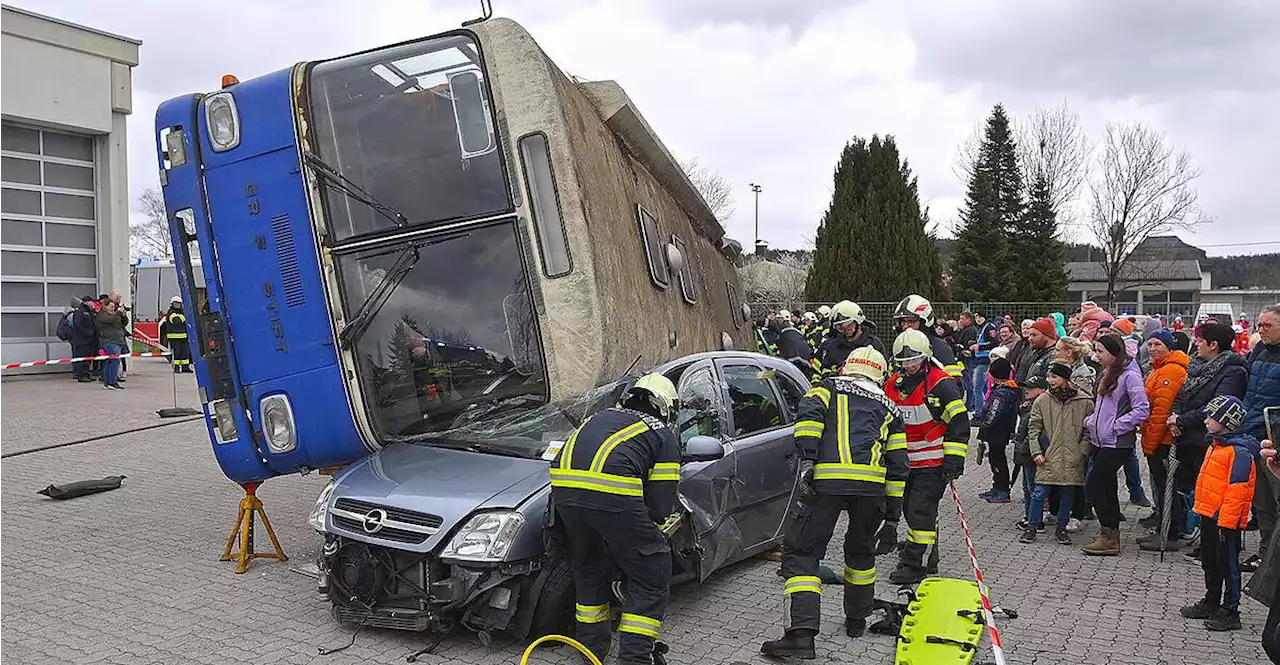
(553, 609)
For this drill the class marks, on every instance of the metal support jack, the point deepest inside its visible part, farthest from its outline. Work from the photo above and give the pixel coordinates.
(250, 505)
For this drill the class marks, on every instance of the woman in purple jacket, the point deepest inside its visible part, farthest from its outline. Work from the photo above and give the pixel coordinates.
(1113, 426)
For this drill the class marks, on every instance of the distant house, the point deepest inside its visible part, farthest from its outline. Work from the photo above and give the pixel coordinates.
(1162, 276)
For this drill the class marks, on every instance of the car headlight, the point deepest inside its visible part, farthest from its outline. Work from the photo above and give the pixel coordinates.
(277, 423)
(321, 509)
(224, 421)
(485, 537)
(224, 121)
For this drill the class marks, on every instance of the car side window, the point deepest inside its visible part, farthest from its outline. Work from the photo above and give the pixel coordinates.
(699, 413)
(792, 391)
(752, 399)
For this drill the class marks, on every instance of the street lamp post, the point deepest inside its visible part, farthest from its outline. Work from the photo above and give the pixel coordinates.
(756, 188)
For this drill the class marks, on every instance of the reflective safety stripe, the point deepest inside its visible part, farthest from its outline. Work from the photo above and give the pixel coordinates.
(842, 429)
(877, 446)
(859, 576)
(897, 441)
(176, 336)
(182, 362)
(591, 613)
(922, 537)
(915, 415)
(665, 471)
(863, 472)
(955, 370)
(597, 482)
(809, 428)
(566, 453)
(617, 438)
(895, 488)
(924, 455)
(956, 448)
(803, 583)
(952, 409)
(641, 625)
(821, 393)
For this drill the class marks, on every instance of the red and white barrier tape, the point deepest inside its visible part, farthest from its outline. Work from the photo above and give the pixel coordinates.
(996, 650)
(59, 361)
(148, 341)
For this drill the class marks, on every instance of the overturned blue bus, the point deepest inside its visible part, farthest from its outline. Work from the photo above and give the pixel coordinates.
(394, 238)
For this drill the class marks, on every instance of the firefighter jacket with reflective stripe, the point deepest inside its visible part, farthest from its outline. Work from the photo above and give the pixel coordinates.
(934, 414)
(854, 435)
(615, 457)
(174, 325)
(829, 359)
(945, 355)
(818, 333)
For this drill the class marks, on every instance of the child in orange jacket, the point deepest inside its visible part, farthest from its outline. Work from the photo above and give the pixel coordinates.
(1224, 494)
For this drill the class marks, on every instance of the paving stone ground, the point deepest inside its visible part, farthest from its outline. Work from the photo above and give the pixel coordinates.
(132, 576)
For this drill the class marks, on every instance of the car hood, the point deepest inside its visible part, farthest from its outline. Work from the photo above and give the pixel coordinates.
(450, 484)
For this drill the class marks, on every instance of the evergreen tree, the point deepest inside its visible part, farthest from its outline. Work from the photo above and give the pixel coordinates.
(872, 243)
(1040, 271)
(983, 262)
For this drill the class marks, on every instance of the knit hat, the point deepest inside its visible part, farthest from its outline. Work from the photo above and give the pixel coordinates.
(1227, 410)
(1104, 324)
(1125, 326)
(1114, 345)
(1060, 370)
(1000, 369)
(1164, 336)
(1045, 326)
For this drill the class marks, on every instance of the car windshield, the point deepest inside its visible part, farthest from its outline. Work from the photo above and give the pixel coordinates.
(455, 333)
(519, 426)
(410, 126)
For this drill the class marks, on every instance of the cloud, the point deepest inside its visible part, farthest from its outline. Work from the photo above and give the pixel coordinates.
(795, 16)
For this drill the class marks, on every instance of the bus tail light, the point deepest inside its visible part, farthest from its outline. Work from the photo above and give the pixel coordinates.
(223, 120)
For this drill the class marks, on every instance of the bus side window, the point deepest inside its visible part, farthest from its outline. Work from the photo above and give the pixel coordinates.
(653, 250)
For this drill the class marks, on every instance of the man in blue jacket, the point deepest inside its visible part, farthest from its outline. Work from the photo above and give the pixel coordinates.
(1263, 392)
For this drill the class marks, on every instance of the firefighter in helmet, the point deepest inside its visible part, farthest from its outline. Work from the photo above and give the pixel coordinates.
(916, 313)
(852, 331)
(173, 330)
(820, 330)
(853, 454)
(937, 432)
(612, 483)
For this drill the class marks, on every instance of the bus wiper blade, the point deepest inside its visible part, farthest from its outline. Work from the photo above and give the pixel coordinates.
(359, 323)
(333, 178)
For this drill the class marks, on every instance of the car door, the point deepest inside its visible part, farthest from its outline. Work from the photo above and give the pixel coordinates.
(706, 488)
(761, 436)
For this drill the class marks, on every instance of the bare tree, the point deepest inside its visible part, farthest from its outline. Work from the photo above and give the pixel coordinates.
(715, 190)
(149, 237)
(966, 158)
(1143, 188)
(780, 282)
(1052, 145)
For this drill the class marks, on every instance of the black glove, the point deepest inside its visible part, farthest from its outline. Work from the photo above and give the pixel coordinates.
(887, 537)
(806, 479)
(952, 467)
(892, 509)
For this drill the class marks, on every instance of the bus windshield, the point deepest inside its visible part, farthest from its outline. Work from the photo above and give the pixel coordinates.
(457, 331)
(411, 125)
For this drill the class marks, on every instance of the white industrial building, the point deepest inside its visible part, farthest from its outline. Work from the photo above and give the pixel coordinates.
(66, 92)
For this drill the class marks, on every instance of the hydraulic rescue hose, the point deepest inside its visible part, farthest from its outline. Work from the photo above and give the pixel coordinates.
(524, 660)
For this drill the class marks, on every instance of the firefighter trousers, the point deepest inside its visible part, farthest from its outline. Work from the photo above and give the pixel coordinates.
(181, 357)
(920, 507)
(642, 552)
(805, 542)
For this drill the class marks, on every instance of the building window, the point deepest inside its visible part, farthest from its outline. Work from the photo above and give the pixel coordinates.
(658, 270)
(544, 202)
(686, 272)
(735, 306)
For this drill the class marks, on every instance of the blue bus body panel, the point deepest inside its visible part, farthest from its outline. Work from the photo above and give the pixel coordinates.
(267, 274)
(239, 458)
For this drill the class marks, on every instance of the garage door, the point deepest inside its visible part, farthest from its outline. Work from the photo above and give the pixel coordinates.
(48, 237)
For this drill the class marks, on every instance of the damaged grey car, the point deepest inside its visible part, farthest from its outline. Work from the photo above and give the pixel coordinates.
(453, 528)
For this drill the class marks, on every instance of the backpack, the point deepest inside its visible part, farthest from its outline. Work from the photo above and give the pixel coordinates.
(65, 331)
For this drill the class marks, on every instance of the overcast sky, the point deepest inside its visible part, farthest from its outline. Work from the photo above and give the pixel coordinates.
(768, 91)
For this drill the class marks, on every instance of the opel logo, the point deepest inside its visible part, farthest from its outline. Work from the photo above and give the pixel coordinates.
(374, 519)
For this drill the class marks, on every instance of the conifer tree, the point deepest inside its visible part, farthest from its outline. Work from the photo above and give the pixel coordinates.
(1040, 271)
(982, 264)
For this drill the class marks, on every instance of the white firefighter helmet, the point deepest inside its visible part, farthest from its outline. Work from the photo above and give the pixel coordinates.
(810, 317)
(784, 314)
(824, 311)
(915, 306)
(176, 300)
(866, 361)
(911, 346)
(845, 312)
(662, 393)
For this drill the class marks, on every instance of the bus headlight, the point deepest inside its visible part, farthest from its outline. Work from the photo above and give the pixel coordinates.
(277, 423)
(223, 120)
(321, 509)
(485, 537)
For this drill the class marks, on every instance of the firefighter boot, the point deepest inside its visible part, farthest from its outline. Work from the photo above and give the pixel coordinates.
(855, 627)
(931, 566)
(794, 644)
(909, 570)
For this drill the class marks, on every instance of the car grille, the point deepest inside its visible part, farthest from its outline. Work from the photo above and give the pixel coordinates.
(401, 526)
(418, 621)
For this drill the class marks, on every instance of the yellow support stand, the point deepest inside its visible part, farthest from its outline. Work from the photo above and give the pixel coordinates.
(249, 506)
